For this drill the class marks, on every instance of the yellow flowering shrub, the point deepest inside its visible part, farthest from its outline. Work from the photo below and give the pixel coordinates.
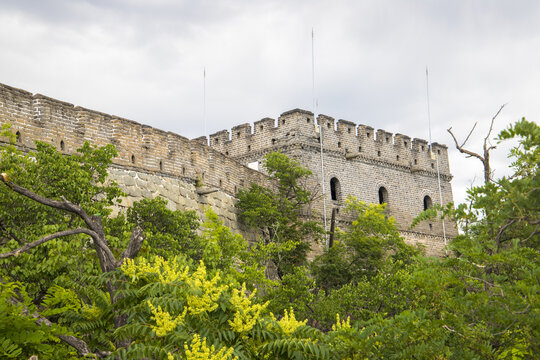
(167, 271)
(206, 292)
(165, 322)
(199, 351)
(246, 314)
(288, 322)
(339, 325)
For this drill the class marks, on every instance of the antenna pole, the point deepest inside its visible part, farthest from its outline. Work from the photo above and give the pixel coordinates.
(323, 181)
(204, 101)
(436, 157)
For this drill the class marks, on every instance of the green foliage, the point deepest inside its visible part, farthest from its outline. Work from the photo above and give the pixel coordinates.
(363, 249)
(168, 232)
(172, 308)
(20, 335)
(206, 296)
(276, 213)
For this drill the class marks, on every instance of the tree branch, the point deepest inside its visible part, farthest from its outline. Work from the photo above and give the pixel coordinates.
(462, 150)
(491, 126)
(78, 344)
(61, 205)
(135, 243)
(107, 259)
(470, 132)
(44, 239)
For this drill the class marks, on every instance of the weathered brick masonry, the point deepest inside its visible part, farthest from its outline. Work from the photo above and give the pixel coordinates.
(357, 161)
(153, 162)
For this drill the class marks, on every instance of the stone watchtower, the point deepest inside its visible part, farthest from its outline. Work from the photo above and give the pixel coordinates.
(376, 167)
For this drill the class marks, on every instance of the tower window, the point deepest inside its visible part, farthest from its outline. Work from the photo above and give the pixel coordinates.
(383, 195)
(133, 159)
(283, 121)
(160, 165)
(339, 144)
(359, 149)
(308, 120)
(335, 189)
(62, 145)
(18, 137)
(261, 127)
(328, 125)
(273, 141)
(349, 130)
(249, 147)
(216, 141)
(378, 153)
(367, 135)
(423, 147)
(427, 202)
(397, 157)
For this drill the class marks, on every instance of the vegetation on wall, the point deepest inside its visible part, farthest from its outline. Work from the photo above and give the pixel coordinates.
(79, 281)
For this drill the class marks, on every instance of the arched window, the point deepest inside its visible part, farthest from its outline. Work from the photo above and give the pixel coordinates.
(18, 137)
(427, 202)
(383, 195)
(335, 189)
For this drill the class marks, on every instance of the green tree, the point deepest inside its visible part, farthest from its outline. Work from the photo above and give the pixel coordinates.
(276, 212)
(363, 248)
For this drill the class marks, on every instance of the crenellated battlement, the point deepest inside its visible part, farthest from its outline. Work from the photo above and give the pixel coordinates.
(38, 117)
(352, 141)
(373, 165)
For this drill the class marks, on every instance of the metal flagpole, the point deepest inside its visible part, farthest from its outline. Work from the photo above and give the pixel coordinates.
(320, 129)
(436, 157)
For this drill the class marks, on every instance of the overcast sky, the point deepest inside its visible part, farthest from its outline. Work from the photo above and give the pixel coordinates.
(144, 60)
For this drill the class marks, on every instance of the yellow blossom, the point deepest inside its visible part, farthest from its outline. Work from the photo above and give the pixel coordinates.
(165, 322)
(168, 271)
(341, 324)
(247, 314)
(288, 322)
(205, 292)
(199, 351)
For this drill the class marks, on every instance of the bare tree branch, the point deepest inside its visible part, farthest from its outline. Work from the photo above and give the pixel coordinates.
(470, 132)
(135, 243)
(491, 126)
(462, 150)
(484, 159)
(107, 260)
(44, 239)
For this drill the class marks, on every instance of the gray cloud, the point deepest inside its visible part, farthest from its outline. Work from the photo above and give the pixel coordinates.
(144, 61)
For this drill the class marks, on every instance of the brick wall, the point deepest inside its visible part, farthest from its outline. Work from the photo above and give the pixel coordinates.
(361, 159)
(154, 162)
(150, 162)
